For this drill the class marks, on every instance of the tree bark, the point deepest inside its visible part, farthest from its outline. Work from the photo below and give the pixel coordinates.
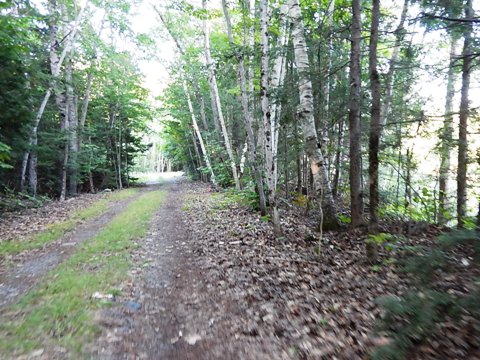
(355, 155)
(72, 131)
(266, 114)
(375, 127)
(199, 135)
(278, 76)
(30, 157)
(215, 94)
(463, 118)
(338, 158)
(446, 137)
(305, 114)
(247, 116)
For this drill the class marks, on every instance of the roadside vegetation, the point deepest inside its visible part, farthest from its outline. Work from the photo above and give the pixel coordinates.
(55, 231)
(58, 313)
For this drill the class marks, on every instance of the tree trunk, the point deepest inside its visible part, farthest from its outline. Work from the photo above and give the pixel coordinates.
(355, 155)
(278, 76)
(338, 158)
(463, 118)
(30, 157)
(305, 114)
(268, 125)
(216, 96)
(399, 34)
(61, 100)
(247, 117)
(375, 128)
(72, 132)
(446, 137)
(299, 156)
(118, 153)
(197, 154)
(328, 68)
(199, 135)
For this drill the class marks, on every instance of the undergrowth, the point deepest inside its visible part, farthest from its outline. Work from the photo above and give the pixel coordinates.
(414, 317)
(59, 311)
(55, 231)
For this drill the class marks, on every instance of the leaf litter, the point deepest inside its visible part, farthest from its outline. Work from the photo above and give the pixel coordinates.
(218, 285)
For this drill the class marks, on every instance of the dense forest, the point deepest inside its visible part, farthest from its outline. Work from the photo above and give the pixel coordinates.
(327, 100)
(362, 115)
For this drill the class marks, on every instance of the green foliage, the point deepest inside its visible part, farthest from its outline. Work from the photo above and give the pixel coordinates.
(265, 218)
(344, 219)
(413, 317)
(5, 156)
(243, 197)
(385, 240)
(300, 200)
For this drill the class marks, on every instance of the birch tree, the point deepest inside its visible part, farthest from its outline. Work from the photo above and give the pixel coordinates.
(305, 114)
(278, 76)
(199, 134)
(189, 101)
(212, 80)
(446, 136)
(247, 114)
(270, 169)
(30, 157)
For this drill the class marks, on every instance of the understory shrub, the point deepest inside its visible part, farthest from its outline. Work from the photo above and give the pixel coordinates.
(437, 272)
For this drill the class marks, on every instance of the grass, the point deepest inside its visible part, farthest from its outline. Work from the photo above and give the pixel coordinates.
(55, 231)
(60, 311)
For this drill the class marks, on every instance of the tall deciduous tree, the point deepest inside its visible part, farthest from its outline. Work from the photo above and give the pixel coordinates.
(305, 114)
(446, 136)
(212, 79)
(247, 114)
(375, 126)
(463, 117)
(355, 153)
(270, 169)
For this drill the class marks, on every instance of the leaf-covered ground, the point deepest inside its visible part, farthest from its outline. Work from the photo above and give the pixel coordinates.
(18, 224)
(212, 282)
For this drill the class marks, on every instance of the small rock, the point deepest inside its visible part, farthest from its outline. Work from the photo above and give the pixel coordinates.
(132, 305)
(36, 353)
(192, 339)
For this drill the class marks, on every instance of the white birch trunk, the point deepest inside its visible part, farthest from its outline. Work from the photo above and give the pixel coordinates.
(250, 147)
(199, 135)
(305, 114)
(278, 76)
(446, 137)
(268, 124)
(30, 157)
(216, 96)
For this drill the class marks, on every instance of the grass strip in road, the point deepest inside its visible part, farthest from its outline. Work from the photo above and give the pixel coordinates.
(56, 230)
(58, 313)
